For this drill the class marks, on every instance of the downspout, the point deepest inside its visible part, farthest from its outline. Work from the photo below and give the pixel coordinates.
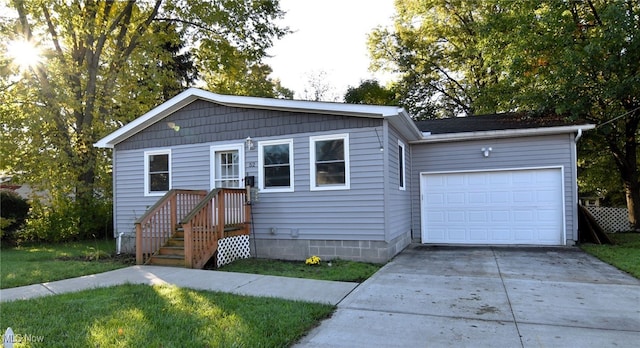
(574, 178)
(119, 246)
(578, 136)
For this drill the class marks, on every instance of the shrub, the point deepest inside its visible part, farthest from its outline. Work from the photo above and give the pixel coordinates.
(13, 213)
(64, 219)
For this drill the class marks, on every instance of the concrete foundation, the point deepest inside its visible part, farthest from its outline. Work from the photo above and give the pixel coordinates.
(300, 249)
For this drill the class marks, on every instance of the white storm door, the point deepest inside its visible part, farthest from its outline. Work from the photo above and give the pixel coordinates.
(227, 166)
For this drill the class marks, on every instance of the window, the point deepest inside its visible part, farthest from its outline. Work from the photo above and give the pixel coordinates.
(329, 158)
(401, 166)
(275, 159)
(157, 169)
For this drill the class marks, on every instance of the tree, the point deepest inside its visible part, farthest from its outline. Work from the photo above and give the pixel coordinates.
(584, 60)
(370, 92)
(104, 63)
(435, 47)
(251, 80)
(577, 58)
(318, 89)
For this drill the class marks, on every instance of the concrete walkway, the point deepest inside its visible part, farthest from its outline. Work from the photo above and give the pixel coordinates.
(487, 297)
(238, 283)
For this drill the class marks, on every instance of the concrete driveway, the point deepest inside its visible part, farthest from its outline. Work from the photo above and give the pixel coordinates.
(487, 297)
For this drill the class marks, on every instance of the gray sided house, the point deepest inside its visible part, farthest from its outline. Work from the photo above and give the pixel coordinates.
(355, 182)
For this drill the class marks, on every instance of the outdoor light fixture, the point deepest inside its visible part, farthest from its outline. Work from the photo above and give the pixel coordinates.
(249, 143)
(173, 126)
(486, 151)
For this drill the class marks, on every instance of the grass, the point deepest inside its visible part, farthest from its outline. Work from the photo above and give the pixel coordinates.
(160, 316)
(624, 254)
(38, 263)
(339, 270)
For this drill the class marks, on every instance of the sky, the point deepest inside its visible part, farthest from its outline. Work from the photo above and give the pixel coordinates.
(330, 37)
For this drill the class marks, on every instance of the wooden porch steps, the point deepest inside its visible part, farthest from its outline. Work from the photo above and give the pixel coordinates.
(182, 229)
(172, 253)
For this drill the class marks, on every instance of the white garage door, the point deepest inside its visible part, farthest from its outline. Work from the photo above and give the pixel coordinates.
(493, 207)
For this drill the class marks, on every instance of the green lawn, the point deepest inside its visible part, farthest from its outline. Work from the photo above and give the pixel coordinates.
(624, 254)
(340, 270)
(160, 316)
(37, 263)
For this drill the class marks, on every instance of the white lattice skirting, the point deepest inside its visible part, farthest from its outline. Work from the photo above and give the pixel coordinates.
(611, 219)
(233, 248)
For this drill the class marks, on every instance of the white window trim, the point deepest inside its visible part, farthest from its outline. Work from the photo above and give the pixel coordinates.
(312, 162)
(147, 187)
(261, 186)
(212, 164)
(402, 171)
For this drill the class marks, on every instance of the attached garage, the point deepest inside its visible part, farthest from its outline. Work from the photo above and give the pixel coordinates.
(501, 207)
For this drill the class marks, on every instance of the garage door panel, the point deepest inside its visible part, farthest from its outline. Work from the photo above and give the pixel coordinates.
(494, 207)
(546, 196)
(499, 178)
(456, 217)
(546, 216)
(500, 235)
(455, 198)
(477, 180)
(435, 198)
(478, 234)
(436, 217)
(478, 216)
(499, 216)
(454, 180)
(477, 197)
(524, 217)
(458, 234)
(524, 198)
(524, 234)
(499, 197)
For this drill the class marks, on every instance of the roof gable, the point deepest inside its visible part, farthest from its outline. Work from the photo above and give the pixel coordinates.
(396, 115)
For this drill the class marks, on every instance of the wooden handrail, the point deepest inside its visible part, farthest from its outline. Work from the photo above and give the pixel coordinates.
(206, 223)
(199, 207)
(156, 225)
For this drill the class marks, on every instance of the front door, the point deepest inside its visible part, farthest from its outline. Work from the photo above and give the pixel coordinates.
(228, 166)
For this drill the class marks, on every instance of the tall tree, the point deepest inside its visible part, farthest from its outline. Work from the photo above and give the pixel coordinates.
(370, 92)
(435, 47)
(104, 63)
(579, 58)
(318, 89)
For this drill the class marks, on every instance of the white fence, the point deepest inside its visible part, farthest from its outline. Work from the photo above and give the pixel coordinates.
(611, 219)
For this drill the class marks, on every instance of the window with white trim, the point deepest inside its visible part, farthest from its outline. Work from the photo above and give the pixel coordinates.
(275, 160)
(157, 172)
(401, 166)
(329, 159)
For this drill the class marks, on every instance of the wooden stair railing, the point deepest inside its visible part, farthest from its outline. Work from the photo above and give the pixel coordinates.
(155, 227)
(222, 213)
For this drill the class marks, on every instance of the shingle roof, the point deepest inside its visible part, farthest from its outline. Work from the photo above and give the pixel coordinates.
(519, 120)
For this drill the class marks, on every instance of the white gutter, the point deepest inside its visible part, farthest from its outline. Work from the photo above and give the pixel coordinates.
(506, 133)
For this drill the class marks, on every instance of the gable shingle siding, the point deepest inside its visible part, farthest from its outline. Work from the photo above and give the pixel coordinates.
(203, 122)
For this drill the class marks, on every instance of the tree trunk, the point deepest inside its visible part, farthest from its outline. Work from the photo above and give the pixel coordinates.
(632, 193)
(625, 157)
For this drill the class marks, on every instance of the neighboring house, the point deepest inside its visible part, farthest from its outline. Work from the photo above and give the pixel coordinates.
(7, 183)
(355, 182)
